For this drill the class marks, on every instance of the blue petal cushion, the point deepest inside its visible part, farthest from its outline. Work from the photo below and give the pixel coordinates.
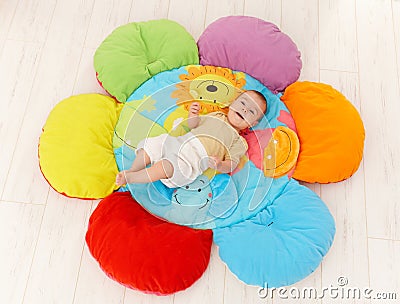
(283, 243)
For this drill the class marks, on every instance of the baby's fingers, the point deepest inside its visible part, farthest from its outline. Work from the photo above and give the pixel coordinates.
(212, 162)
(195, 107)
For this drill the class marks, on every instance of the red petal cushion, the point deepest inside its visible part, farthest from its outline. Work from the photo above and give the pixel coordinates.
(143, 252)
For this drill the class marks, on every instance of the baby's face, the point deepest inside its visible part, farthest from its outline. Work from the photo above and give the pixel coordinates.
(246, 110)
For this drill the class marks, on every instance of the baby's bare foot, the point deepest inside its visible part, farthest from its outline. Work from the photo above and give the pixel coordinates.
(120, 180)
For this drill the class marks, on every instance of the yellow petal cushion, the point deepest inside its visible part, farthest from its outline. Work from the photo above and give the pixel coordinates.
(330, 131)
(75, 149)
(280, 155)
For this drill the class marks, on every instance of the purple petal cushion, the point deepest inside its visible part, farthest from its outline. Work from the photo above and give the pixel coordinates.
(253, 46)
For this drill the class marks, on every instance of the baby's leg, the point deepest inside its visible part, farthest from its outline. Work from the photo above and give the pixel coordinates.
(141, 161)
(160, 170)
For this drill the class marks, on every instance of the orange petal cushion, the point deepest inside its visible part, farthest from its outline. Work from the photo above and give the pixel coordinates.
(330, 131)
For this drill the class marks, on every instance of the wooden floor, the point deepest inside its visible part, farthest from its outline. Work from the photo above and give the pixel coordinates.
(46, 53)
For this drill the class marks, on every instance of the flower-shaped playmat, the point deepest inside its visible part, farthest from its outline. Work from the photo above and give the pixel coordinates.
(270, 230)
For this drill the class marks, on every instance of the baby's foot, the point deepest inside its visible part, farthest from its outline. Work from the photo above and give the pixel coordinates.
(120, 180)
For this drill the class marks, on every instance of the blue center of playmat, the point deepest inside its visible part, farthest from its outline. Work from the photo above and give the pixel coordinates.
(160, 106)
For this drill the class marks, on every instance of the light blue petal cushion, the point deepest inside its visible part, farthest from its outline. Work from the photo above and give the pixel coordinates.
(283, 243)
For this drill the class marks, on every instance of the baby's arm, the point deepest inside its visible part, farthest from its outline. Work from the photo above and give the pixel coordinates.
(223, 166)
(236, 151)
(194, 119)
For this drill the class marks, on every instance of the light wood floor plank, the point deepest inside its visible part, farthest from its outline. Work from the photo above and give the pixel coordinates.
(190, 14)
(106, 16)
(7, 12)
(144, 10)
(337, 34)
(94, 286)
(385, 268)
(86, 81)
(222, 8)
(31, 20)
(269, 10)
(379, 89)
(58, 254)
(396, 28)
(301, 24)
(19, 229)
(18, 64)
(53, 82)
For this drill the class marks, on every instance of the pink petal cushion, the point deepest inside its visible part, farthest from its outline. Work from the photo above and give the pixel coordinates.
(253, 46)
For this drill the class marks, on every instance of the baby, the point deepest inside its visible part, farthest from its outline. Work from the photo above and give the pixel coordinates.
(213, 142)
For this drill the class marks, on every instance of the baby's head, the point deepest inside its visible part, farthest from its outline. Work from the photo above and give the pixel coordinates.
(246, 110)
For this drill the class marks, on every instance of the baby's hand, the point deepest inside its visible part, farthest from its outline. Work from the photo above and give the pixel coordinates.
(214, 162)
(194, 109)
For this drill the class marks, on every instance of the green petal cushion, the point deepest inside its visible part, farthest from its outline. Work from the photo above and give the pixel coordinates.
(135, 52)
